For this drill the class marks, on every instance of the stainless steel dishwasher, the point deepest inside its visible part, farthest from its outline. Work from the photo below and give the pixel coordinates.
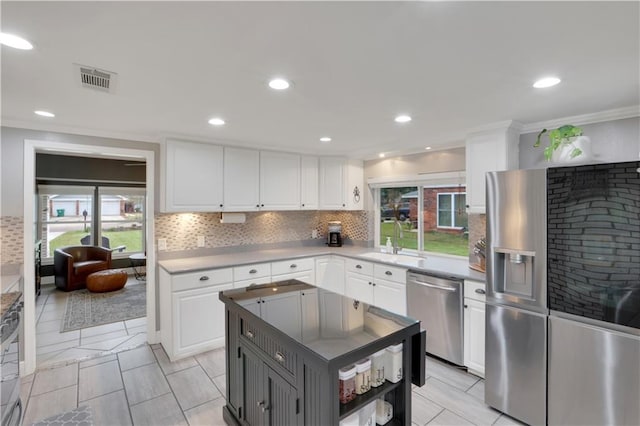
(437, 303)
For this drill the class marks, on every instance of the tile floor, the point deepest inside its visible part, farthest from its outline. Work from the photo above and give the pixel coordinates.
(55, 348)
(142, 387)
(111, 369)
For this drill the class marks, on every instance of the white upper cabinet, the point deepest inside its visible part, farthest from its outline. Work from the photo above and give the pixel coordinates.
(193, 176)
(308, 183)
(279, 181)
(199, 177)
(241, 179)
(341, 182)
(493, 148)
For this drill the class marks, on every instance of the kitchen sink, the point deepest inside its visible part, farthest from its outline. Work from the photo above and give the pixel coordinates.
(400, 259)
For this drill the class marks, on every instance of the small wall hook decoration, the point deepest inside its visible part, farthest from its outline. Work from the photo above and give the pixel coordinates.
(356, 194)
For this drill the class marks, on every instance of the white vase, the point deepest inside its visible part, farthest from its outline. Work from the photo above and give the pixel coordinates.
(563, 153)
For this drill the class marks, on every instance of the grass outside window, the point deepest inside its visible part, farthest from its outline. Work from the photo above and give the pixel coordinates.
(435, 241)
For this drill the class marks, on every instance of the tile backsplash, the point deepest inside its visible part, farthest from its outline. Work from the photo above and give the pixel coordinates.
(477, 230)
(11, 235)
(182, 229)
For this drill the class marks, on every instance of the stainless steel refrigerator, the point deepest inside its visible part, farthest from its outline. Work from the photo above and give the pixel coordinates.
(516, 317)
(593, 279)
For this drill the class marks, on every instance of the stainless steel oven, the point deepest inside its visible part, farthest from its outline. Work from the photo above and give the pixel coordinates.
(593, 280)
(9, 369)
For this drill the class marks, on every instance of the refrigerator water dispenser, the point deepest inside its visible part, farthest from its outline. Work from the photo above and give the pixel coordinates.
(515, 272)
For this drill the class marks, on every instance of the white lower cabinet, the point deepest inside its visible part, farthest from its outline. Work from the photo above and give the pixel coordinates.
(295, 269)
(192, 316)
(474, 326)
(358, 286)
(390, 295)
(364, 282)
(330, 273)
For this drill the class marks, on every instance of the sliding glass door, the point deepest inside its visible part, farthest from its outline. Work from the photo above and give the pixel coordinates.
(111, 217)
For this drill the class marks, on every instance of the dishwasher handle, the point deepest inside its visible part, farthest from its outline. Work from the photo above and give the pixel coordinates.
(437, 287)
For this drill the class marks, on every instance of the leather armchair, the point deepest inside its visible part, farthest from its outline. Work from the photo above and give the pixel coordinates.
(73, 264)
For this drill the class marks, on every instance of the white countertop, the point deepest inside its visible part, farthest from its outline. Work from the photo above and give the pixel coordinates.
(443, 265)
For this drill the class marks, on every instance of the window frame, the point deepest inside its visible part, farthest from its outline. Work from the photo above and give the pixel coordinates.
(453, 196)
(457, 178)
(95, 191)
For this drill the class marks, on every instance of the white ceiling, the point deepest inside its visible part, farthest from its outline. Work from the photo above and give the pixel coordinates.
(452, 66)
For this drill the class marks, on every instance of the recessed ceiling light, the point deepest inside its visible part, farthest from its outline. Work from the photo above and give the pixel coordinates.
(546, 82)
(15, 41)
(381, 155)
(325, 139)
(427, 148)
(402, 119)
(279, 84)
(44, 114)
(216, 121)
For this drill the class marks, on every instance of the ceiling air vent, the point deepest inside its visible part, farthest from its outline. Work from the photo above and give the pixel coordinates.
(95, 78)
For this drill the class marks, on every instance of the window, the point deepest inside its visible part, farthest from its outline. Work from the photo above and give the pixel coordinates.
(432, 216)
(395, 205)
(82, 215)
(451, 208)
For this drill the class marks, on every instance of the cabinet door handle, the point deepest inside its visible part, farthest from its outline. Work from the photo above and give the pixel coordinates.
(279, 356)
(388, 273)
(293, 265)
(480, 291)
(264, 407)
(370, 283)
(221, 205)
(253, 271)
(204, 278)
(303, 205)
(249, 334)
(358, 266)
(257, 205)
(373, 284)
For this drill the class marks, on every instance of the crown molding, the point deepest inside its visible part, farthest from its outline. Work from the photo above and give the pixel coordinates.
(73, 130)
(596, 117)
(497, 126)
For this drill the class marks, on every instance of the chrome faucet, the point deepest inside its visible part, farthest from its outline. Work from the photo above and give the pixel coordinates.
(397, 234)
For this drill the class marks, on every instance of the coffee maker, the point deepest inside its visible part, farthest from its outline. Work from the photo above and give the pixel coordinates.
(334, 236)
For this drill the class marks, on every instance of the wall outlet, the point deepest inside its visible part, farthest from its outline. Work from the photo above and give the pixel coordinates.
(162, 244)
(200, 242)
(314, 233)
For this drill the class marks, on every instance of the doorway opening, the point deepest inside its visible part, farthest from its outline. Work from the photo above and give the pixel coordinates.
(87, 205)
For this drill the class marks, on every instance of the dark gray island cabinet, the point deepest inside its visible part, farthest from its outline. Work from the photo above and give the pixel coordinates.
(285, 343)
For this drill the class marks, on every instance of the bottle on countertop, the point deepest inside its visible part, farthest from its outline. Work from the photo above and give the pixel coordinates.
(389, 245)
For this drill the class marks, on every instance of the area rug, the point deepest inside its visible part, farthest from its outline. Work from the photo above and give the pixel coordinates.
(81, 416)
(86, 309)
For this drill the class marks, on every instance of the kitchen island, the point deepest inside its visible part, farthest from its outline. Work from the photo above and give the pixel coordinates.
(285, 343)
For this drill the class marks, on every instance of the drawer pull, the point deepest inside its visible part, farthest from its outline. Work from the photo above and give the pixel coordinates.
(388, 273)
(204, 278)
(280, 357)
(249, 334)
(358, 266)
(253, 271)
(293, 265)
(480, 291)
